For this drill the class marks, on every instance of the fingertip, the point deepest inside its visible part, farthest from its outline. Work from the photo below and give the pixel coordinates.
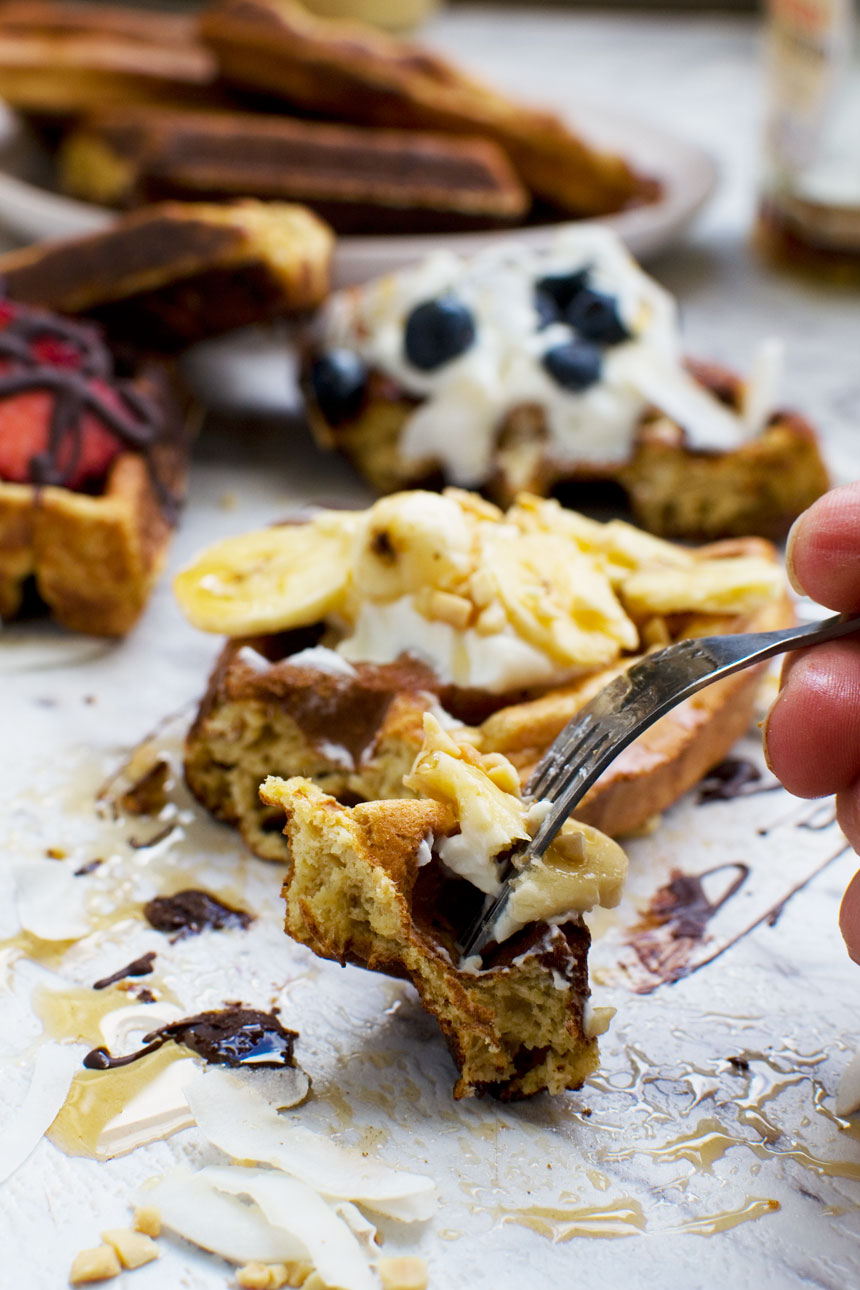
(849, 918)
(790, 543)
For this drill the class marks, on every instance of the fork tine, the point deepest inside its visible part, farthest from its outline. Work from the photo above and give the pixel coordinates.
(572, 742)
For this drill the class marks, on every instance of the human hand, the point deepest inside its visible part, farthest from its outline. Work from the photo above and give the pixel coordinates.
(812, 732)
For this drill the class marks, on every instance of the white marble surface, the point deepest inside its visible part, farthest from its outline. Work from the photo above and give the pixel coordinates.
(671, 1134)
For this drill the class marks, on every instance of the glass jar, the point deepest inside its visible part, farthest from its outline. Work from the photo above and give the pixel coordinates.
(809, 213)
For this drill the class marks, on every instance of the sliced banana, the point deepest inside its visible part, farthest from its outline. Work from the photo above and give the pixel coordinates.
(291, 575)
(410, 541)
(734, 585)
(557, 599)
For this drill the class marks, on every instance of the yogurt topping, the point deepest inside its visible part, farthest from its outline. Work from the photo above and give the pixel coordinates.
(465, 400)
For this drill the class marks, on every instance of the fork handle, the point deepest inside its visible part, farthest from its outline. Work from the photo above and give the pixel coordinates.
(704, 660)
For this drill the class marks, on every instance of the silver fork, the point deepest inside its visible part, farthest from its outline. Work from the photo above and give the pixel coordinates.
(620, 712)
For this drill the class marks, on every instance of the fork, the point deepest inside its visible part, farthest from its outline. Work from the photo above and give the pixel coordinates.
(622, 710)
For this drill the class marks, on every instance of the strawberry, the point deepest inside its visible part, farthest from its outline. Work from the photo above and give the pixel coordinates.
(24, 425)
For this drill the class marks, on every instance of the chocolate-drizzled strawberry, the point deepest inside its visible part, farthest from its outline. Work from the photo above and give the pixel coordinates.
(64, 413)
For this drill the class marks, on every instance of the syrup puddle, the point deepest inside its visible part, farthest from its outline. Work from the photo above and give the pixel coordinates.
(615, 1219)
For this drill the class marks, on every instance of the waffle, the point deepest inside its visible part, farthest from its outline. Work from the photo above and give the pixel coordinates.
(365, 887)
(63, 59)
(175, 273)
(351, 72)
(359, 180)
(512, 385)
(285, 703)
(91, 547)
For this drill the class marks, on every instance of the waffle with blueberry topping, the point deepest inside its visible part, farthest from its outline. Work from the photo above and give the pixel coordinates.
(93, 460)
(555, 369)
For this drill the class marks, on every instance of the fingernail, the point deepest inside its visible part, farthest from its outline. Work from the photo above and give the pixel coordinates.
(789, 557)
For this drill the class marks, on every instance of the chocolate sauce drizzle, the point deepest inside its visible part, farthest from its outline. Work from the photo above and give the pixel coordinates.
(192, 911)
(232, 1036)
(138, 421)
(139, 967)
(678, 918)
(734, 777)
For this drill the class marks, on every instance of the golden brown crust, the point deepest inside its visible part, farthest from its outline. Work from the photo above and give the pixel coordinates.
(349, 71)
(61, 59)
(251, 723)
(759, 487)
(175, 273)
(355, 893)
(359, 180)
(93, 559)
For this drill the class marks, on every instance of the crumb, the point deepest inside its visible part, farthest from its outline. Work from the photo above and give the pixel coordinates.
(56, 853)
(228, 501)
(89, 867)
(99, 1264)
(90, 699)
(145, 995)
(586, 1111)
(404, 1273)
(147, 1219)
(133, 1249)
(739, 1063)
(148, 795)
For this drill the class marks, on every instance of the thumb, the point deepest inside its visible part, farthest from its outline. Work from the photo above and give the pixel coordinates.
(849, 917)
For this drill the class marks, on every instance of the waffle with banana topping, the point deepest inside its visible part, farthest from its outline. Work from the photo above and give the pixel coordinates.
(347, 628)
(391, 885)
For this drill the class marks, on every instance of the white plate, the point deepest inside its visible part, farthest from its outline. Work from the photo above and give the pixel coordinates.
(30, 209)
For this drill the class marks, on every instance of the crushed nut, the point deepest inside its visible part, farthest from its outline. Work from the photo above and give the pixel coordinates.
(147, 1218)
(272, 1276)
(99, 1264)
(443, 607)
(133, 1248)
(404, 1273)
(490, 621)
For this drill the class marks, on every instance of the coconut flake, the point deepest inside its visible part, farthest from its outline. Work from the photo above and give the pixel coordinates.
(51, 903)
(239, 1121)
(193, 1207)
(49, 1086)
(848, 1092)
(293, 1207)
(156, 1112)
(359, 1225)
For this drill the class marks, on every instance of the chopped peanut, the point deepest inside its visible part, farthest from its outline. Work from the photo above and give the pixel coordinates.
(147, 1219)
(404, 1273)
(133, 1248)
(99, 1264)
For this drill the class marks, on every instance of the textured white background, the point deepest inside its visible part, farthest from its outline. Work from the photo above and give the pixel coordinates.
(784, 996)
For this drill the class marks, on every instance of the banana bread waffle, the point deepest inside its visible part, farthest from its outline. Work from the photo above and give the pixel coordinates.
(551, 370)
(92, 473)
(312, 684)
(171, 274)
(359, 180)
(391, 886)
(348, 71)
(60, 59)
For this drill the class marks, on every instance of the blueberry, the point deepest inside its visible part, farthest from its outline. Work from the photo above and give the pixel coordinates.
(547, 310)
(437, 331)
(595, 315)
(574, 365)
(338, 380)
(562, 287)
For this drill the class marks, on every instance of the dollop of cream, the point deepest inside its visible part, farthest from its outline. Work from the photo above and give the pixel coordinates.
(465, 401)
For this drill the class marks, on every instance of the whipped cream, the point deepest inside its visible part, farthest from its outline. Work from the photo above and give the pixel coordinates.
(465, 401)
(497, 663)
